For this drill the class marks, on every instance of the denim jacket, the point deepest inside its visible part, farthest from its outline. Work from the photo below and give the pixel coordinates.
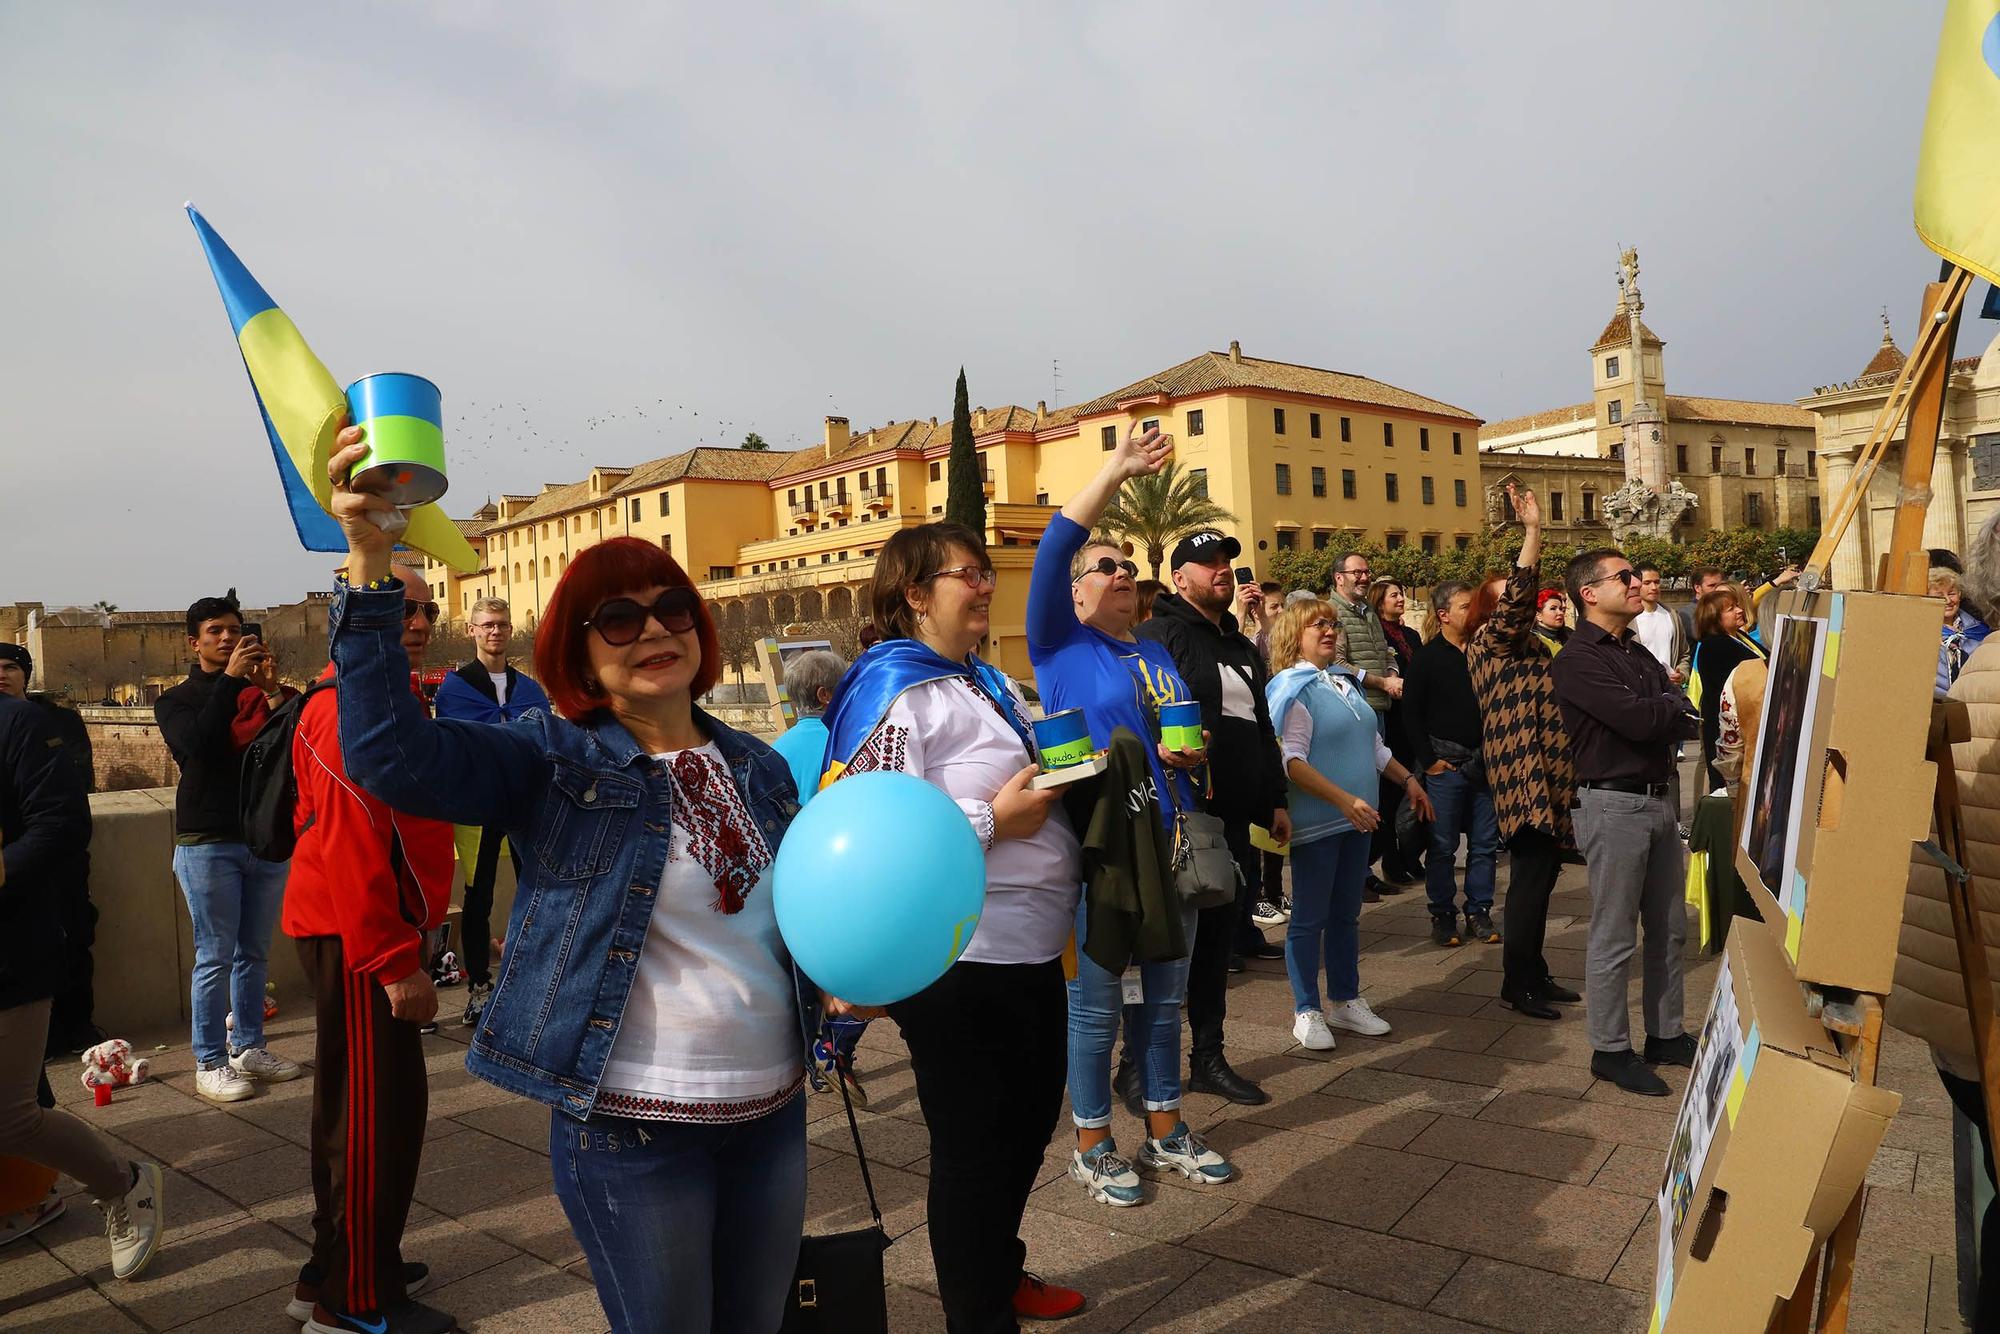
(591, 810)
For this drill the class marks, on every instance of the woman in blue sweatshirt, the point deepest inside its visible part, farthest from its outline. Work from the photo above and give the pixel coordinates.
(1082, 602)
(1333, 756)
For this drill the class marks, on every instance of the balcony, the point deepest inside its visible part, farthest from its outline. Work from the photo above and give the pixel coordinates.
(806, 511)
(986, 482)
(836, 506)
(878, 497)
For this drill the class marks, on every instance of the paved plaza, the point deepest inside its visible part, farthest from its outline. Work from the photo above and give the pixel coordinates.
(1466, 1172)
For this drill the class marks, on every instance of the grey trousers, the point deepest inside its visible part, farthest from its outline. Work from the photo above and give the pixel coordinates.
(1638, 874)
(52, 1138)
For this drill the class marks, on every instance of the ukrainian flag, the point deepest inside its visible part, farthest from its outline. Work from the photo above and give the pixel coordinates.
(1958, 170)
(301, 406)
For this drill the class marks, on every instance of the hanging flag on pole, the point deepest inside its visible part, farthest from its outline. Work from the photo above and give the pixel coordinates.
(301, 406)
(1958, 169)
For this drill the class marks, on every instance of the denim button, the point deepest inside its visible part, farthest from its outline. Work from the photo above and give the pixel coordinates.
(590, 794)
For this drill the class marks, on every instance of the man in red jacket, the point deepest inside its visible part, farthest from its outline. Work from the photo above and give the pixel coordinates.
(368, 886)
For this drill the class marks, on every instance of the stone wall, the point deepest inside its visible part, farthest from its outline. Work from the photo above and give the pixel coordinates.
(127, 749)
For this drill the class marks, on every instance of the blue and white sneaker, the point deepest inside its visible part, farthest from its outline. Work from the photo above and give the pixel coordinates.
(1185, 1152)
(1106, 1177)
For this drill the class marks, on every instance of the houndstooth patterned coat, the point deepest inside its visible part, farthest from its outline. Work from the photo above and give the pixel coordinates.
(1526, 745)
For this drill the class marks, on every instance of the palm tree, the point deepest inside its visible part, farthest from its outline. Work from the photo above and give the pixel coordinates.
(106, 607)
(1159, 510)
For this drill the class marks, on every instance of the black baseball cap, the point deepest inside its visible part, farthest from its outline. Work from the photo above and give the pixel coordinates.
(19, 655)
(1205, 547)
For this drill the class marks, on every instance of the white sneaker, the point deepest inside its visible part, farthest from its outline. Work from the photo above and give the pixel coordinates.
(260, 1063)
(133, 1222)
(1106, 1177)
(1185, 1152)
(223, 1084)
(1310, 1031)
(1269, 914)
(1355, 1016)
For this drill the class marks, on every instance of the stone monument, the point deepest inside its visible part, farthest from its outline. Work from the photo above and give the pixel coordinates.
(1650, 502)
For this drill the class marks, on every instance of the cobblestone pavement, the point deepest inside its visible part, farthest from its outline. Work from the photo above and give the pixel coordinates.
(1465, 1172)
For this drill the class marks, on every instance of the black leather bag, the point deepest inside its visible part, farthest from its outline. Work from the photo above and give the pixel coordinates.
(838, 1286)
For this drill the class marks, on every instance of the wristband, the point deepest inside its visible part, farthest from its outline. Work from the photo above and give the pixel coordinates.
(381, 585)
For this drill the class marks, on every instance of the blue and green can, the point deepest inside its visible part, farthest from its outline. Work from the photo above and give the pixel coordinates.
(1063, 739)
(402, 422)
(1180, 725)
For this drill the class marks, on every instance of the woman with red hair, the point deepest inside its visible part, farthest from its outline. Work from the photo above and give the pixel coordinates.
(645, 994)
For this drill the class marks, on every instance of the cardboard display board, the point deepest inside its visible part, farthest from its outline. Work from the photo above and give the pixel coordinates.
(771, 657)
(1839, 787)
(1773, 1139)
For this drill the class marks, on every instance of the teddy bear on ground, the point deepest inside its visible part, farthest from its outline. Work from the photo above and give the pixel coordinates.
(111, 1064)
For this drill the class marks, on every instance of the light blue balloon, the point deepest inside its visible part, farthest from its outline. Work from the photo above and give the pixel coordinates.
(878, 886)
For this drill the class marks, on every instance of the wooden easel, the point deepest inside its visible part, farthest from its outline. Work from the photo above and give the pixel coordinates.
(1856, 1021)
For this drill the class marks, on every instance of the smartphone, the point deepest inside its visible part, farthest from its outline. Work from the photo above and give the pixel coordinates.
(1244, 575)
(253, 629)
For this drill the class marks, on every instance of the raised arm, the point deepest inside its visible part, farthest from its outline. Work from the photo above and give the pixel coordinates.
(1051, 610)
(1505, 633)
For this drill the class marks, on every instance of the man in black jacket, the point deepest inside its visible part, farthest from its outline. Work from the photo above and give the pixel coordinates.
(1246, 784)
(70, 1026)
(233, 897)
(44, 827)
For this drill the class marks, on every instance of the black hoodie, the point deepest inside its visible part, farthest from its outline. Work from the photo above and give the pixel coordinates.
(1246, 778)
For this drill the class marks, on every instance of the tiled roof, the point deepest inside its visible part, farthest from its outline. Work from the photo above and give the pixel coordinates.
(1213, 371)
(555, 500)
(471, 527)
(1536, 421)
(1738, 411)
(1618, 331)
(915, 434)
(1888, 357)
(708, 463)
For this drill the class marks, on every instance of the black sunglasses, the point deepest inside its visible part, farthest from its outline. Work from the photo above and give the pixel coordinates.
(1626, 577)
(622, 620)
(411, 607)
(1108, 567)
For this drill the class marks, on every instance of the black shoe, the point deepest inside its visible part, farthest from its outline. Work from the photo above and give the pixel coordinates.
(1670, 1051)
(1211, 1074)
(1479, 926)
(1236, 964)
(1530, 1003)
(1369, 895)
(1263, 949)
(1627, 1071)
(1552, 990)
(1125, 1085)
(1444, 932)
(305, 1293)
(1378, 885)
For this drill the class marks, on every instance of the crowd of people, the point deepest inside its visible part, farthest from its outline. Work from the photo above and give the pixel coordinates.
(641, 989)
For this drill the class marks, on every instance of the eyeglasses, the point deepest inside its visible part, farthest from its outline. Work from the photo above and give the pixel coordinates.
(622, 620)
(1108, 567)
(1322, 624)
(1363, 573)
(974, 575)
(1626, 577)
(489, 627)
(411, 607)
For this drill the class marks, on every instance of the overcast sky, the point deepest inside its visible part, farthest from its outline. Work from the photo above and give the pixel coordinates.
(739, 218)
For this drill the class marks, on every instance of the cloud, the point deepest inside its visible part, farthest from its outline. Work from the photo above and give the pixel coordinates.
(762, 214)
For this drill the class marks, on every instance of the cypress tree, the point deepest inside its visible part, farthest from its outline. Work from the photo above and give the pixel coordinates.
(965, 491)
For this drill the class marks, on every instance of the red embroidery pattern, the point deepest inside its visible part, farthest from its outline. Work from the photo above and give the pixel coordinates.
(721, 834)
(639, 1107)
(887, 748)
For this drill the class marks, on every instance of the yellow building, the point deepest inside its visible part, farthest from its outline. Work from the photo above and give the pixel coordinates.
(1965, 476)
(1300, 455)
(1749, 464)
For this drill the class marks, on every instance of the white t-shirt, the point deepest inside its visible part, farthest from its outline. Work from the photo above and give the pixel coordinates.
(710, 1030)
(499, 687)
(1237, 701)
(1655, 629)
(950, 735)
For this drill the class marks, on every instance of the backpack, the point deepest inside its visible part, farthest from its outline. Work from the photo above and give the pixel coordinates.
(267, 801)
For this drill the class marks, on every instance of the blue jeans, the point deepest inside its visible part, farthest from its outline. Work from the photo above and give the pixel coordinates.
(1327, 879)
(1465, 807)
(686, 1227)
(233, 900)
(1153, 1031)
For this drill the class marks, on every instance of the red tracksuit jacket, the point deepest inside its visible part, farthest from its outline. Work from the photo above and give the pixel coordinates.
(362, 872)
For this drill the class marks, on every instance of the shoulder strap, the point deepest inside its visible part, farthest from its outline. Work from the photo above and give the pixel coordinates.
(860, 1154)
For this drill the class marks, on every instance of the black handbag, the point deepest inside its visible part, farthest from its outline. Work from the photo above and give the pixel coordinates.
(838, 1286)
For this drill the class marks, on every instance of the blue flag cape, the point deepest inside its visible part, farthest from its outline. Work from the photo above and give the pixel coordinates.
(879, 676)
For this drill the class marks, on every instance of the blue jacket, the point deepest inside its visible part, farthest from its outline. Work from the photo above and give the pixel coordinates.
(803, 747)
(593, 811)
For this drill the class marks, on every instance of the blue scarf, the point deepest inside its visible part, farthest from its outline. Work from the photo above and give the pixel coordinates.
(1281, 690)
(881, 675)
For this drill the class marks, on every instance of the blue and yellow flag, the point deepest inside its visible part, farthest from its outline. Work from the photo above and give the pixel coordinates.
(301, 406)
(1958, 171)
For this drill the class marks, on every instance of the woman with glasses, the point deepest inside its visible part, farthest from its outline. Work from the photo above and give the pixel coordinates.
(1400, 854)
(986, 1039)
(1081, 603)
(1335, 759)
(644, 994)
(1723, 642)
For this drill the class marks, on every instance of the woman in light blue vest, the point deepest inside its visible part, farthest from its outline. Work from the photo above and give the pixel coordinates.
(1334, 758)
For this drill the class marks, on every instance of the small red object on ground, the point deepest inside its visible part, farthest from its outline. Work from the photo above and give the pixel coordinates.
(102, 1093)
